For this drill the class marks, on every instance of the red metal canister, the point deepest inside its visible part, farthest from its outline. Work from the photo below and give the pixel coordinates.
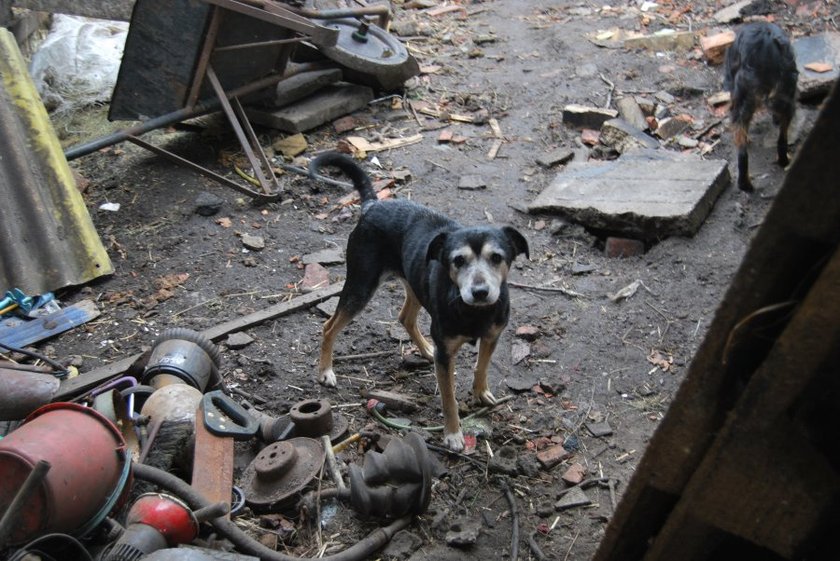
(89, 475)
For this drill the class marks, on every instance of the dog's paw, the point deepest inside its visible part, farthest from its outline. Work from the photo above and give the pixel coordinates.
(454, 441)
(427, 351)
(484, 397)
(327, 378)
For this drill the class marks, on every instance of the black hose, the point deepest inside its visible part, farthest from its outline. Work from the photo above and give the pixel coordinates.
(245, 543)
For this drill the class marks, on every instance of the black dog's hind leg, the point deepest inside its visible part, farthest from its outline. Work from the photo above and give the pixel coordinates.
(783, 108)
(408, 318)
(743, 107)
(359, 286)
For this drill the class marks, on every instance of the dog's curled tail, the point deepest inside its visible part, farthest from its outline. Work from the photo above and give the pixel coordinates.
(346, 164)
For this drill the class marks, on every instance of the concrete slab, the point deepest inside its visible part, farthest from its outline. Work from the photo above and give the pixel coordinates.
(325, 105)
(645, 196)
(822, 48)
(302, 85)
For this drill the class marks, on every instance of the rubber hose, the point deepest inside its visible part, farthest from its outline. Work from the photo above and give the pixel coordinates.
(248, 545)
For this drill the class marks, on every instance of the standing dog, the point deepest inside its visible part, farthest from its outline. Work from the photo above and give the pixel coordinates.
(456, 273)
(760, 68)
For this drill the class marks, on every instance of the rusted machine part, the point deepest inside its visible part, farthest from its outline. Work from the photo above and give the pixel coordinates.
(89, 476)
(12, 513)
(112, 405)
(272, 429)
(22, 392)
(395, 482)
(382, 11)
(280, 472)
(185, 354)
(314, 418)
(369, 54)
(245, 543)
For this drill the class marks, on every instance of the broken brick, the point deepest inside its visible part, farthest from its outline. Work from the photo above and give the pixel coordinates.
(714, 46)
(552, 456)
(623, 247)
(590, 137)
(583, 117)
(314, 277)
(575, 474)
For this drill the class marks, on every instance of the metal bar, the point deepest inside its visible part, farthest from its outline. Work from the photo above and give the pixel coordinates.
(212, 474)
(278, 15)
(259, 197)
(261, 44)
(255, 142)
(244, 141)
(381, 10)
(204, 57)
(11, 517)
(170, 118)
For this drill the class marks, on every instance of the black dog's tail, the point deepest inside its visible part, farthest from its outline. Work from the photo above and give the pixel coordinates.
(357, 175)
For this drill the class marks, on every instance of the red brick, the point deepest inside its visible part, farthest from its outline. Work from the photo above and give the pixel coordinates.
(623, 247)
(714, 46)
(314, 277)
(575, 474)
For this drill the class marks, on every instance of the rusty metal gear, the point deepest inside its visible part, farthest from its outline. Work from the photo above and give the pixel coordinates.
(275, 478)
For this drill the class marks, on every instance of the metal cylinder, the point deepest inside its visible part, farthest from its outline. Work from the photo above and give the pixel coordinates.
(22, 392)
(312, 417)
(89, 474)
(184, 354)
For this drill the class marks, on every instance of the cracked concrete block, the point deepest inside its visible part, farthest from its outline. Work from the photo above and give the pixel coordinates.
(645, 196)
(822, 48)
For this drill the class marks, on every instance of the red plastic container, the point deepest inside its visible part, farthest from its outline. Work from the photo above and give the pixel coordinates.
(89, 476)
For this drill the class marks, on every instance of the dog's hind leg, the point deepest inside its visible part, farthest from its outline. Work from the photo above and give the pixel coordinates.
(783, 115)
(743, 108)
(332, 327)
(481, 390)
(408, 318)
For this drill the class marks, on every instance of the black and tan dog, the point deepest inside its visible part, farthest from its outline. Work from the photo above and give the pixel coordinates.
(458, 274)
(760, 68)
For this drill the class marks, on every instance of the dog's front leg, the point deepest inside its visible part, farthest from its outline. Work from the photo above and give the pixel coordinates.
(453, 438)
(481, 390)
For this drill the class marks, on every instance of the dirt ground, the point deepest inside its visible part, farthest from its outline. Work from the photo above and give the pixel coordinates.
(519, 62)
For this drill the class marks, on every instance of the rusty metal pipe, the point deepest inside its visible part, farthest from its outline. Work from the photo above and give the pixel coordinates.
(180, 115)
(23, 391)
(245, 543)
(383, 11)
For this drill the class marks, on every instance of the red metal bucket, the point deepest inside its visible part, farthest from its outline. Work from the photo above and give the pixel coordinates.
(88, 478)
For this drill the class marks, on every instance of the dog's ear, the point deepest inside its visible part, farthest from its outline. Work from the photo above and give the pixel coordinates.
(520, 244)
(435, 249)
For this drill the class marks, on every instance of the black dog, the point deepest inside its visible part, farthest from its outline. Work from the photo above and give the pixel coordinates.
(456, 273)
(760, 68)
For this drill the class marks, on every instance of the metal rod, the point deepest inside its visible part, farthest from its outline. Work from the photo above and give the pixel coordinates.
(271, 179)
(168, 119)
(261, 44)
(204, 56)
(12, 515)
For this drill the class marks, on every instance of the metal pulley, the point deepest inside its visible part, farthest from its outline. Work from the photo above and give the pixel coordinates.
(369, 54)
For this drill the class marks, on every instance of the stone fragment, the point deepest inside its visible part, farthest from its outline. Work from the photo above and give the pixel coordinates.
(472, 182)
(519, 351)
(555, 157)
(590, 137)
(631, 112)
(207, 204)
(527, 332)
(823, 48)
(238, 340)
(599, 429)
(463, 532)
(252, 242)
(665, 40)
(624, 137)
(574, 497)
(522, 382)
(504, 461)
(324, 257)
(670, 127)
(328, 307)
(402, 546)
(584, 117)
(732, 12)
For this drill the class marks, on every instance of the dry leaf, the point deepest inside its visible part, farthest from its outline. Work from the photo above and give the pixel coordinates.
(662, 359)
(224, 222)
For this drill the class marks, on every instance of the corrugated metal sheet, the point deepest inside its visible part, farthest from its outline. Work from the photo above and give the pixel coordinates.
(47, 239)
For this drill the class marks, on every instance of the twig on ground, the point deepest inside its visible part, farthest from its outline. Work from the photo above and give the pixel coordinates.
(559, 289)
(514, 518)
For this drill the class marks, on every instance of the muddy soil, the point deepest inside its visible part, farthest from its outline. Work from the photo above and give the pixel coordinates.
(590, 359)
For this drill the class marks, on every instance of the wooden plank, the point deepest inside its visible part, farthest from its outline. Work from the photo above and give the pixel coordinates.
(733, 490)
(801, 227)
(212, 474)
(99, 375)
(22, 332)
